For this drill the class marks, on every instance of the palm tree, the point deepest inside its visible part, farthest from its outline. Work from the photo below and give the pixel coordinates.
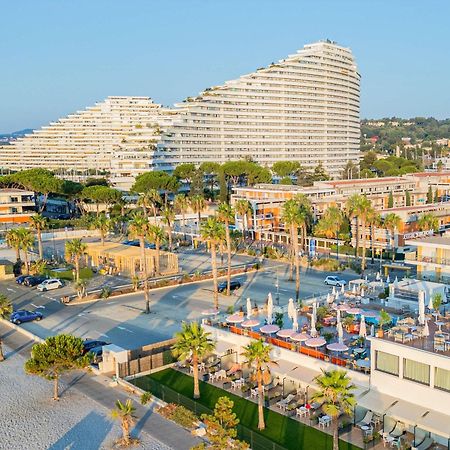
(305, 206)
(125, 413)
(365, 210)
(75, 249)
(391, 222)
(168, 217)
(330, 225)
(181, 204)
(13, 241)
(225, 213)
(103, 224)
(212, 231)
(352, 209)
(26, 239)
(138, 229)
(192, 342)
(257, 356)
(158, 236)
(294, 216)
(243, 208)
(39, 223)
(373, 219)
(6, 310)
(150, 200)
(198, 204)
(335, 395)
(428, 221)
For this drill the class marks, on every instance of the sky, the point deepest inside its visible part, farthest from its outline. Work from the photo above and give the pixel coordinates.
(59, 56)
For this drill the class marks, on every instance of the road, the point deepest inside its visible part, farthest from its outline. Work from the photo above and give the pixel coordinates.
(121, 320)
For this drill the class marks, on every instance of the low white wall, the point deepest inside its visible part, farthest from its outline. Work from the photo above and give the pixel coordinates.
(69, 234)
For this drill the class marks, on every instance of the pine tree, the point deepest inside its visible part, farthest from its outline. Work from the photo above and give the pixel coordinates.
(407, 198)
(391, 200)
(430, 195)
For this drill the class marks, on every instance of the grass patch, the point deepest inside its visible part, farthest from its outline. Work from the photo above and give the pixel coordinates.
(280, 429)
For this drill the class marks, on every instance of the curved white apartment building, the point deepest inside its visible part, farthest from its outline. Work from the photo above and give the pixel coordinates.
(303, 108)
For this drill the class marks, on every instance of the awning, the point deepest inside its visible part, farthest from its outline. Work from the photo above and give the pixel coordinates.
(283, 367)
(304, 375)
(435, 422)
(376, 401)
(223, 347)
(359, 391)
(406, 412)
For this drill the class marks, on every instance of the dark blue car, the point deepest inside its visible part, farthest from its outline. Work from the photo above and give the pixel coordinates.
(20, 279)
(23, 315)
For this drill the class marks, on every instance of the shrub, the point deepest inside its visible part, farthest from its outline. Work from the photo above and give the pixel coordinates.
(106, 292)
(327, 264)
(179, 414)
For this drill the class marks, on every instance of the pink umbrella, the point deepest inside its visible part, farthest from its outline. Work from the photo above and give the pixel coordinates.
(269, 329)
(316, 342)
(337, 347)
(354, 311)
(300, 337)
(210, 312)
(285, 333)
(370, 314)
(235, 318)
(250, 323)
(342, 308)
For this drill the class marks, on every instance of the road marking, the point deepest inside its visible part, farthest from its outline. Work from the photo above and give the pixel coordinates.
(103, 334)
(10, 290)
(125, 329)
(81, 314)
(37, 307)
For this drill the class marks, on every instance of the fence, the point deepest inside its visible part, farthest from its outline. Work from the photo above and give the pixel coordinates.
(168, 395)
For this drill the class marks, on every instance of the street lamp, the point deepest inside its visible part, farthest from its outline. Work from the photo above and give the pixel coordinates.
(277, 285)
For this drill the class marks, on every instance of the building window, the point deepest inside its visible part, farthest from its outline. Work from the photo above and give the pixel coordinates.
(442, 379)
(416, 371)
(385, 362)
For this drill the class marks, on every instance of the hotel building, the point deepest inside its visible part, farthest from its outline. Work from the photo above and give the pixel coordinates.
(16, 207)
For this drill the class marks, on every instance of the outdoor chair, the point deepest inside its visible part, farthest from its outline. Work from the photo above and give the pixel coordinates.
(303, 411)
(254, 393)
(397, 431)
(366, 421)
(282, 404)
(324, 421)
(424, 445)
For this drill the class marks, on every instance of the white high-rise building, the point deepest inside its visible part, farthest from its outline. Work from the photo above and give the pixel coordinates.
(304, 108)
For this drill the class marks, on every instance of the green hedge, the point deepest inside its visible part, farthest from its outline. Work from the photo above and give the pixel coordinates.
(85, 273)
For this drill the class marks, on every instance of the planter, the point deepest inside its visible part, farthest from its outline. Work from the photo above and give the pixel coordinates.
(380, 333)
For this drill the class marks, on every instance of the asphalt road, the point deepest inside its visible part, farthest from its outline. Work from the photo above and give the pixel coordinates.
(121, 320)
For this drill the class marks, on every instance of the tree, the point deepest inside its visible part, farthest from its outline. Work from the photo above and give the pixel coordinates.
(390, 200)
(320, 174)
(335, 395)
(407, 198)
(257, 356)
(157, 180)
(365, 212)
(193, 343)
(138, 229)
(158, 236)
(56, 355)
(101, 195)
(428, 221)
(286, 168)
(212, 231)
(13, 240)
(436, 196)
(185, 171)
(225, 213)
(430, 195)
(38, 223)
(211, 170)
(80, 287)
(350, 171)
(181, 204)
(168, 217)
(75, 249)
(373, 219)
(352, 207)
(330, 225)
(150, 200)
(198, 204)
(287, 181)
(104, 225)
(243, 209)
(391, 222)
(6, 309)
(125, 413)
(26, 239)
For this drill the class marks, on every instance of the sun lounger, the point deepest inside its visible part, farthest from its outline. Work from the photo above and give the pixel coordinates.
(397, 431)
(424, 445)
(365, 422)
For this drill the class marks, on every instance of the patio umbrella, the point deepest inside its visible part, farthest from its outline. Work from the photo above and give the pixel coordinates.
(334, 290)
(250, 323)
(295, 320)
(378, 276)
(372, 330)
(337, 347)
(290, 309)
(362, 327)
(329, 299)
(338, 316)
(371, 314)
(422, 307)
(286, 333)
(342, 289)
(430, 303)
(300, 337)
(396, 281)
(313, 331)
(354, 311)
(340, 332)
(269, 329)
(235, 318)
(354, 289)
(269, 309)
(342, 307)
(315, 342)
(249, 308)
(366, 279)
(388, 279)
(426, 330)
(362, 292)
(336, 296)
(210, 312)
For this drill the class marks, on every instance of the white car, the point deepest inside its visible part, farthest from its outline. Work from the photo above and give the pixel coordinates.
(333, 280)
(47, 285)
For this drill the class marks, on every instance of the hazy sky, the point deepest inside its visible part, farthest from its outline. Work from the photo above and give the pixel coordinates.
(59, 56)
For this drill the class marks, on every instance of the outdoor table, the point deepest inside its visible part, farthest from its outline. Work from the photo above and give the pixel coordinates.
(439, 324)
(363, 363)
(302, 411)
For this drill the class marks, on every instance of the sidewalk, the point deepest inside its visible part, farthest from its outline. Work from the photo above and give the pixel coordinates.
(97, 388)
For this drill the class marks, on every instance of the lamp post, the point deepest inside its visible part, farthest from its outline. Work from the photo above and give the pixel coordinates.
(277, 285)
(337, 243)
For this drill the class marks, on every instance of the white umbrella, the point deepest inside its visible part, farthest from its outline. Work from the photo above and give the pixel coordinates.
(422, 307)
(336, 297)
(340, 332)
(338, 316)
(362, 292)
(366, 278)
(426, 330)
(269, 309)
(430, 303)
(290, 309)
(354, 289)
(295, 320)
(342, 288)
(396, 282)
(329, 299)
(313, 332)
(378, 276)
(388, 279)
(334, 290)
(249, 308)
(372, 330)
(362, 327)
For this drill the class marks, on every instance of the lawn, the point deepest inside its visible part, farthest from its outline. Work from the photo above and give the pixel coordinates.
(283, 430)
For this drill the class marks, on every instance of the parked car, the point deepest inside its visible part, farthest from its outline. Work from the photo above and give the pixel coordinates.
(136, 243)
(97, 353)
(23, 315)
(21, 278)
(51, 283)
(34, 280)
(89, 344)
(333, 280)
(234, 284)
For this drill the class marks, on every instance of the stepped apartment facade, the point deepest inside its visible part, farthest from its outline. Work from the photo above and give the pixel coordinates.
(303, 108)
